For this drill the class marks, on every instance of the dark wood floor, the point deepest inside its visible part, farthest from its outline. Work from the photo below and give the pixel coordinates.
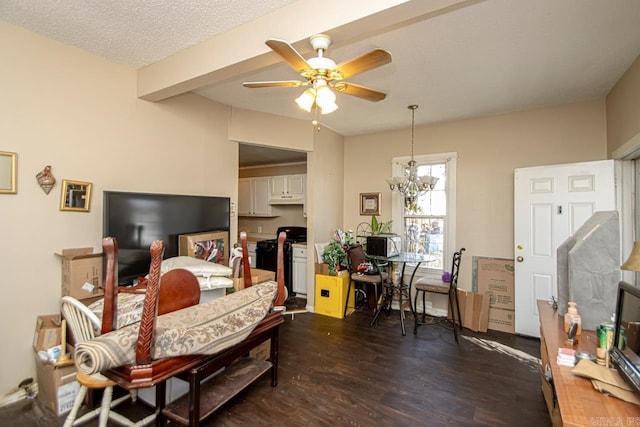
(346, 373)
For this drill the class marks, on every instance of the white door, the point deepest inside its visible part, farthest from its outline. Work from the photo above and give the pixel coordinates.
(550, 204)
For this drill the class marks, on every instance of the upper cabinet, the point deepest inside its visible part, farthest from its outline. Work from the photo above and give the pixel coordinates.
(253, 197)
(287, 189)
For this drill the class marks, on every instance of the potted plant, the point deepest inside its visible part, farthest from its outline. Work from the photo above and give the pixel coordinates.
(334, 255)
(380, 227)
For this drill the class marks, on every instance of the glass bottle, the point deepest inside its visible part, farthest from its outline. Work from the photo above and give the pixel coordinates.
(572, 316)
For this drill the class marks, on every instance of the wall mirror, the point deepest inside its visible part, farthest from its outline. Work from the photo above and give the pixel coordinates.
(8, 164)
(75, 196)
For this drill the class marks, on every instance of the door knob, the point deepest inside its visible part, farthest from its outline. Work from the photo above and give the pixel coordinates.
(519, 259)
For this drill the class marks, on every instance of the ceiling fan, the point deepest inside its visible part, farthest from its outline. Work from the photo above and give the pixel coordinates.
(321, 74)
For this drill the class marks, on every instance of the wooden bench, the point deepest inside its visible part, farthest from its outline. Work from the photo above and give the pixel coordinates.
(237, 371)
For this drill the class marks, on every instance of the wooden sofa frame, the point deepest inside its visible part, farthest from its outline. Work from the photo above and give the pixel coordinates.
(203, 398)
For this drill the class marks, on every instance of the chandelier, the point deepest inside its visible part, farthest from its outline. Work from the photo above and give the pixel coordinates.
(410, 184)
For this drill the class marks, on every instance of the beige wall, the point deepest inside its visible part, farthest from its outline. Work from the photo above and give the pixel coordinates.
(79, 113)
(265, 129)
(623, 109)
(489, 149)
(325, 194)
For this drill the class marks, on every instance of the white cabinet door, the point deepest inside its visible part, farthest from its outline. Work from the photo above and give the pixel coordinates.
(295, 185)
(261, 206)
(278, 185)
(253, 197)
(299, 284)
(287, 186)
(244, 197)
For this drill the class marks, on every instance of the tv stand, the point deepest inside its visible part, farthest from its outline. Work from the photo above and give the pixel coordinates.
(572, 400)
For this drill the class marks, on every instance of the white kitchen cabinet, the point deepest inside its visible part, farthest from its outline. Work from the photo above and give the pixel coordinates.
(299, 278)
(253, 197)
(287, 189)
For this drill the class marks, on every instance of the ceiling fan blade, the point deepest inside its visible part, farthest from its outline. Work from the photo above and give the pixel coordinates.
(360, 91)
(289, 54)
(284, 83)
(366, 62)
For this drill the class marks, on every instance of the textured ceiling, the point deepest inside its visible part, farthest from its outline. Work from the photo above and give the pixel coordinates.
(477, 59)
(133, 32)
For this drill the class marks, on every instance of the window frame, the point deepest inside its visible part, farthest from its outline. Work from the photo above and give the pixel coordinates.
(397, 205)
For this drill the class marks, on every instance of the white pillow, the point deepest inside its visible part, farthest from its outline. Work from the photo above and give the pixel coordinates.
(199, 267)
(214, 282)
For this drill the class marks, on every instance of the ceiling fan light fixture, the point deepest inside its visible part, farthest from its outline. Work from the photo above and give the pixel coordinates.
(306, 100)
(329, 108)
(324, 94)
(323, 76)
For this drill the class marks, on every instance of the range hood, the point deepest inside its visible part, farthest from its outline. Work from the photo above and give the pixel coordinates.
(286, 199)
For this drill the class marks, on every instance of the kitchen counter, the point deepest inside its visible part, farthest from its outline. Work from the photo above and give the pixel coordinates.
(256, 237)
(300, 245)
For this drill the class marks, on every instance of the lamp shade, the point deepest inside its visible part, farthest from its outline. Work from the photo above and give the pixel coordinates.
(633, 262)
(306, 100)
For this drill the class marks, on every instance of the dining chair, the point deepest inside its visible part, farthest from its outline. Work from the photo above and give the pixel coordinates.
(357, 256)
(85, 325)
(426, 285)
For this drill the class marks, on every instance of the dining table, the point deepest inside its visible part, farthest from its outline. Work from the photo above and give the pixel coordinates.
(396, 286)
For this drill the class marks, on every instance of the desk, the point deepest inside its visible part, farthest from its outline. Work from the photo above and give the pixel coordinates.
(400, 288)
(572, 400)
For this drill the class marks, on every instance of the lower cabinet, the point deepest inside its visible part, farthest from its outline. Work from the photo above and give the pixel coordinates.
(251, 246)
(299, 267)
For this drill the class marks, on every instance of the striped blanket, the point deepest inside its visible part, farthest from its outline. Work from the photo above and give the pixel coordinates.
(201, 329)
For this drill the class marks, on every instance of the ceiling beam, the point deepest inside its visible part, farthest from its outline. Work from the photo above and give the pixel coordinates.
(242, 49)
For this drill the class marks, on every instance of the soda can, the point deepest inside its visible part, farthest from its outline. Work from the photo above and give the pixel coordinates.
(605, 335)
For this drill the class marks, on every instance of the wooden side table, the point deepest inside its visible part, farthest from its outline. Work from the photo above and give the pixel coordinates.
(572, 400)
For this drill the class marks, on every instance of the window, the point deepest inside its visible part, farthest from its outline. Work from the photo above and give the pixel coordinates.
(429, 226)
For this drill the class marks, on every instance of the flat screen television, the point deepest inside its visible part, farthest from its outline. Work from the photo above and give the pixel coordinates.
(625, 353)
(135, 220)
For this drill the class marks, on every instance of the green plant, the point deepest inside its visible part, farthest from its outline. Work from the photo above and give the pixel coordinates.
(380, 227)
(334, 255)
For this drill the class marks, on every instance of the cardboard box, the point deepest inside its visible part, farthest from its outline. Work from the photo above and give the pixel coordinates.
(57, 386)
(502, 320)
(262, 351)
(474, 309)
(81, 273)
(322, 269)
(47, 332)
(331, 295)
(496, 277)
(257, 276)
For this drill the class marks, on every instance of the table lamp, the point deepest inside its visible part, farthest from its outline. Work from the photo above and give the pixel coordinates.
(633, 262)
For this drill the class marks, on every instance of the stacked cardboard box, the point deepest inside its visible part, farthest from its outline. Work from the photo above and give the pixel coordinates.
(474, 309)
(57, 385)
(81, 273)
(495, 276)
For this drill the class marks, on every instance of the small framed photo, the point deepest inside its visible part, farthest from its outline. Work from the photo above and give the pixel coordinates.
(369, 203)
(210, 246)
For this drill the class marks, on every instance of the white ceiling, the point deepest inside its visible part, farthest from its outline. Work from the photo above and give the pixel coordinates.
(482, 58)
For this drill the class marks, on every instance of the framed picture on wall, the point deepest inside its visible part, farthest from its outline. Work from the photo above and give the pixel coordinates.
(212, 246)
(369, 203)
